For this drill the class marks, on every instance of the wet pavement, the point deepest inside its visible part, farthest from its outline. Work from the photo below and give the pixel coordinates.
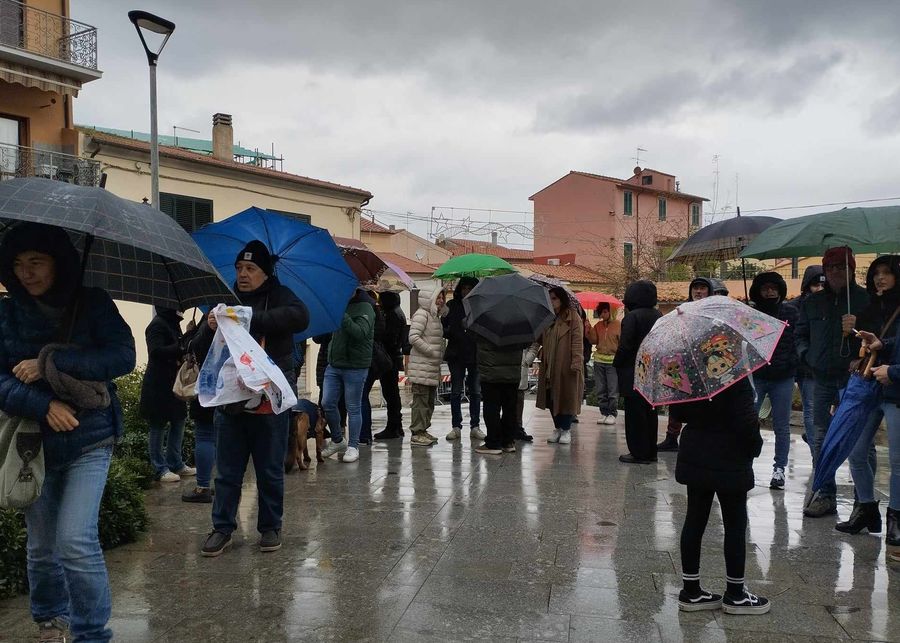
(551, 543)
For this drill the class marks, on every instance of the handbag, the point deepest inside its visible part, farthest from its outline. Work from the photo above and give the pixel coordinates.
(185, 386)
(21, 462)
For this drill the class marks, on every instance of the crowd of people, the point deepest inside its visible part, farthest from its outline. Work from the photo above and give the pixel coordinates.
(48, 317)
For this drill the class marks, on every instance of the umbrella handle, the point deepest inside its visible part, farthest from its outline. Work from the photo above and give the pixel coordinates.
(866, 365)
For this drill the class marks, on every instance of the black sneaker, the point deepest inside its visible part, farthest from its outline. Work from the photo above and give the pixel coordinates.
(777, 481)
(698, 602)
(216, 544)
(749, 603)
(270, 541)
(198, 494)
(522, 436)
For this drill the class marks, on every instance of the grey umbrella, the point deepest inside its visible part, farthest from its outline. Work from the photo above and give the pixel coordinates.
(508, 310)
(131, 250)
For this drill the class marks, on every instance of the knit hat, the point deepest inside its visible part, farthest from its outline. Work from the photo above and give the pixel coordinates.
(841, 255)
(256, 252)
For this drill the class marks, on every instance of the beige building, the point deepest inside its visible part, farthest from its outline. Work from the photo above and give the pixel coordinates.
(402, 242)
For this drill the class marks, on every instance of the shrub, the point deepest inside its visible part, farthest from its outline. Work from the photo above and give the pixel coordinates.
(13, 579)
(123, 515)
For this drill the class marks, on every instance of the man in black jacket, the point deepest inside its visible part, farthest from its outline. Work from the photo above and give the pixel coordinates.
(776, 380)
(813, 281)
(257, 433)
(395, 333)
(461, 359)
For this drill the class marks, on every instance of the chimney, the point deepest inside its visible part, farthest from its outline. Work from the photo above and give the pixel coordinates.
(223, 137)
(392, 227)
(493, 238)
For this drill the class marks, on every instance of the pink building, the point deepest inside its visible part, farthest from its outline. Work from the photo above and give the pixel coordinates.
(613, 224)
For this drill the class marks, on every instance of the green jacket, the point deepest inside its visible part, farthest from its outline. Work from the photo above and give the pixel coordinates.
(820, 342)
(499, 365)
(351, 344)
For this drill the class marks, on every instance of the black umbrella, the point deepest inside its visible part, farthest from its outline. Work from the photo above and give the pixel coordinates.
(131, 250)
(723, 240)
(508, 310)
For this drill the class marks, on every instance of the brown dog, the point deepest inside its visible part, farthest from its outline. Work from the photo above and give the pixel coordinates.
(298, 437)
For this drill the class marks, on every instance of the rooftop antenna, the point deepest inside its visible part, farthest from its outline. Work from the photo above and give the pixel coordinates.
(175, 129)
(637, 155)
(715, 160)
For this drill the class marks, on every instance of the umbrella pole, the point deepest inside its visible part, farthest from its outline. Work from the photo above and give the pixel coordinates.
(88, 242)
(744, 274)
(847, 267)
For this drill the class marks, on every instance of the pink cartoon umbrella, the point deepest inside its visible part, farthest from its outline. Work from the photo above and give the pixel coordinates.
(703, 347)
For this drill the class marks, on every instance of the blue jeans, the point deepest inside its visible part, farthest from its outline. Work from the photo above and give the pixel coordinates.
(807, 386)
(781, 393)
(464, 376)
(864, 460)
(365, 431)
(66, 570)
(172, 460)
(606, 384)
(204, 452)
(350, 383)
(826, 393)
(240, 437)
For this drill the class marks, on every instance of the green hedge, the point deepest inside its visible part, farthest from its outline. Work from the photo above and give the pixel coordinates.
(123, 515)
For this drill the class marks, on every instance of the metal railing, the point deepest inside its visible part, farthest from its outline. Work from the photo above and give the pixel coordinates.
(47, 34)
(17, 161)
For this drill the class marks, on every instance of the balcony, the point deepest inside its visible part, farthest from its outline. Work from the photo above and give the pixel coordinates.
(47, 41)
(17, 161)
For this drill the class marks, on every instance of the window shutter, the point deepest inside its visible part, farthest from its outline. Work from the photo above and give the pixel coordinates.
(203, 213)
(189, 212)
(184, 213)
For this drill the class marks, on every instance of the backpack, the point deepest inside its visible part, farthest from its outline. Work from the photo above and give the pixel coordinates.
(21, 462)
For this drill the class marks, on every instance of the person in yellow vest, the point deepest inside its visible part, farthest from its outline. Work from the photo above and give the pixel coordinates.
(605, 337)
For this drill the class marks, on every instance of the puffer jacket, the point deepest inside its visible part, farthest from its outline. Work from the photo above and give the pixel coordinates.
(351, 344)
(784, 361)
(499, 364)
(640, 302)
(426, 338)
(812, 275)
(820, 341)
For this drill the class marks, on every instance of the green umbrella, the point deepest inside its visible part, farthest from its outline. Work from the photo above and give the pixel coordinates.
(862, 229)
(473, 265)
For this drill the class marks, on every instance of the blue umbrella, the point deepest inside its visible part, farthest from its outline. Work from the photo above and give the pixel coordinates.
(859, 399)
(306, 260)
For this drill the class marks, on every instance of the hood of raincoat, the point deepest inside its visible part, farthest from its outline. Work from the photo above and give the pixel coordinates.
(640, 294)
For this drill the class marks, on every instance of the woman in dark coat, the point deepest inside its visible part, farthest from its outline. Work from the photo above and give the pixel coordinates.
(395, 333)
(159, 406)
(47, 305)
(718, 445)
(204, 432)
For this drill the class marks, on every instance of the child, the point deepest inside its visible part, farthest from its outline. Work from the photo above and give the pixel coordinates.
(719, 442)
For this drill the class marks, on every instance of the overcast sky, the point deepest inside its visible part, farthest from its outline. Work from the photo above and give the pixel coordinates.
(479, 104)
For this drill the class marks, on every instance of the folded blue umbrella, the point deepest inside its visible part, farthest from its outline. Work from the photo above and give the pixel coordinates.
(860, 398)
(306, 260)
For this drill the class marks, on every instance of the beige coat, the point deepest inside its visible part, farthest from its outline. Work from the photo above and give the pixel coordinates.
(426, 338)
(562, 365)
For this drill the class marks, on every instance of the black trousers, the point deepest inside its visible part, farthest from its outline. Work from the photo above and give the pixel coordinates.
(641, 426)
(734, 519)
(500, 402)
(390, 389)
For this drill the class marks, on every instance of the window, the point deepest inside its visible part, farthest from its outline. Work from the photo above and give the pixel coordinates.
(190, 212)
(629, 255)
(305, 218)
(795, 268)
(647, 180)
(695, 215)
(627, 206)
(662, 208)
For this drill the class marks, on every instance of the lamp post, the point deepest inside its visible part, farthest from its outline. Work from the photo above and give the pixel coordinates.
(151, 23)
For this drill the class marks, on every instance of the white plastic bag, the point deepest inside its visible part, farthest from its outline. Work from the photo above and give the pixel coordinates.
(225, 379)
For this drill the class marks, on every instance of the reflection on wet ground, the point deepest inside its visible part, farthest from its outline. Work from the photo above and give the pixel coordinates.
(554, 543)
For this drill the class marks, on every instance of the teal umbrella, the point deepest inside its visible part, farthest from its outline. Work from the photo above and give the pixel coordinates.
(473, 265)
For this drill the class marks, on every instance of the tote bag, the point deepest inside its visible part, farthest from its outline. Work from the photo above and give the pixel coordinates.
(21, 462)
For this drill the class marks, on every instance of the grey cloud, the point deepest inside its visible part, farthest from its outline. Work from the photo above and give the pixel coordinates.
(884, 116)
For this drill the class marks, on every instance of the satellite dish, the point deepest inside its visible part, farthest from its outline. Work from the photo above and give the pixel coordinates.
(420, 255)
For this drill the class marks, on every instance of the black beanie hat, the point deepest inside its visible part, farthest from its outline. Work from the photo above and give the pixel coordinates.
(256, 252)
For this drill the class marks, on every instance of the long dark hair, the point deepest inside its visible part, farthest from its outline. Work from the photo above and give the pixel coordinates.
(564, 300)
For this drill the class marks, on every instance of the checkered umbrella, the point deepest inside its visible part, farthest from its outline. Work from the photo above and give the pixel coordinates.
(134, 252)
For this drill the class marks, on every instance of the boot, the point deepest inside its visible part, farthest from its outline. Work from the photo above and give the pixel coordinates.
(892, 537)
(865, 515)
(669, 444)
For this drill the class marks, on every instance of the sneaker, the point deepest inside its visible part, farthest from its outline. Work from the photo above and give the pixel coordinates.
(524, 437)
(553, 439)
(477, 434)
(610, 419)
(565, 437)
(486, 450)
(777, 481)
(433, 439)
(699, 602)
(510, 448)
(168, 476)
(747, 604)
(350, 455)
(602, 419)
(52, 631)
(270, 541)
(454, 434)
(333, 448)
(198, 494)
(186, 471)
(420, 440)
(669, 444)
(388, 434)
(216, 544)
(820, 506)
(630, 459)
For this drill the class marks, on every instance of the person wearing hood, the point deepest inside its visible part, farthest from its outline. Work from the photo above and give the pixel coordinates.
(813, 281)
(426, 339)
(605, 336)
(462, 360)
(257, 433)
(349, 360)
(49, 318)
(394, 339)
(776, 379)
(699, 288)
(641, 423)
(883, 285)
(381, 363)
(826, 344)
(158, 404)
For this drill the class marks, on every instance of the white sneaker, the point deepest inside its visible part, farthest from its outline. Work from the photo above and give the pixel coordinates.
(602, 419)
(565, 437)
(334, 447)
(350, 455)
(187, 472)
(609, 419)
(477, 434)
(553, 439)
(168, 476)
(454, 434)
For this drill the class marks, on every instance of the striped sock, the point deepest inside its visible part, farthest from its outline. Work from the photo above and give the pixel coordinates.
(691, 583)
(735, 586)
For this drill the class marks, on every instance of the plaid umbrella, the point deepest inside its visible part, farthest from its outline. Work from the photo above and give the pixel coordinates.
(131, 250)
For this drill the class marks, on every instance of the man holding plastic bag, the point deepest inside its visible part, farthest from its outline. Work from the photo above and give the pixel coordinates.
(249, 395)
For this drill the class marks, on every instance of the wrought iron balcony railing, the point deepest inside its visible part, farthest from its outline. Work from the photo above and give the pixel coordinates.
(18, 161)
(47, 34)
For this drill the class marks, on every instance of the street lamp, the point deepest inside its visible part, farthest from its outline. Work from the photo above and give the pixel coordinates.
(147, 21)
